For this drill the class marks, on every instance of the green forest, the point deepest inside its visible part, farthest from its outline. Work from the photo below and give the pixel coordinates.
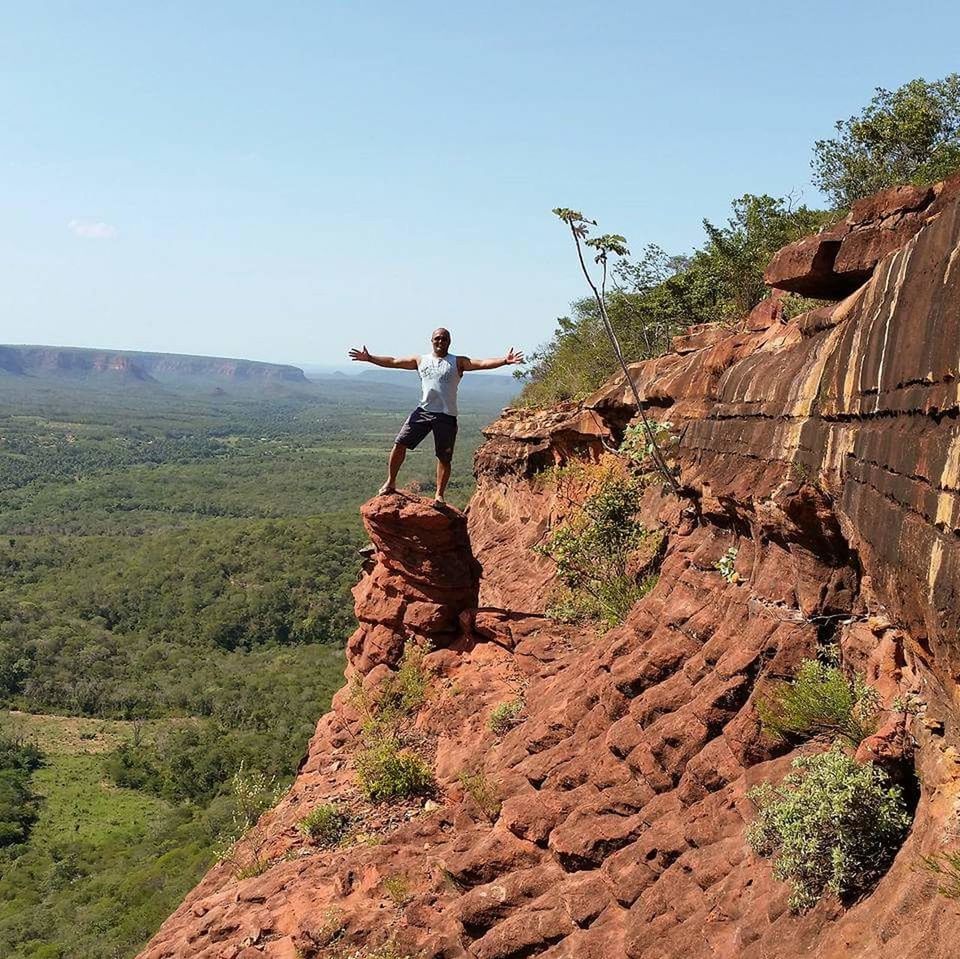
(175, 575)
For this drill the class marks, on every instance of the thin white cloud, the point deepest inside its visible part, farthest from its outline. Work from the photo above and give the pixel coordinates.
(92, 229)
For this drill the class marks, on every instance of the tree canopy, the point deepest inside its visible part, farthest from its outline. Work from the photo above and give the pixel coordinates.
(909, 135)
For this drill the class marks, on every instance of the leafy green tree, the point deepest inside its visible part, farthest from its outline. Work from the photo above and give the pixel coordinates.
(909, 135)
(19, 806)
(729, 267)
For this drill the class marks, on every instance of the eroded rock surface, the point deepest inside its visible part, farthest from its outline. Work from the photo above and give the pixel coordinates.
(826, 450)
(424, 576)
(840, 259)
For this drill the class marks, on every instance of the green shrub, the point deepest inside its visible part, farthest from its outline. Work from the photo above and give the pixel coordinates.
(637, 445)
(385, 770)
(505, 716)
(479, 788)
(726, 565)
(946, 867)
(833, 826)
(398, 698)
(405, 691)
(256, 866)
(252, 793)
(591, 549)
(386, 951)
(821, 699)
(609, 601)
(324, 824)
(397, 887)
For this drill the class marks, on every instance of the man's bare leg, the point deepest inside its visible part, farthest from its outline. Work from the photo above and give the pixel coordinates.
(397, 456)
(443, 477)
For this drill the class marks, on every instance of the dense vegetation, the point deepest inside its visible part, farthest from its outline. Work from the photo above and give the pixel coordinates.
(658, 296)
(18, 803)
(177, 567)
(910, 135)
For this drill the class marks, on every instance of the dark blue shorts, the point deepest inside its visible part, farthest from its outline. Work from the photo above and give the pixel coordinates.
(420, 422)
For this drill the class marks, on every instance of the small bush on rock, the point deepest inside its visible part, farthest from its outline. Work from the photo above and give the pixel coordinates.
(397, 887)
(399, 696)
(946, 867)
(822, 699)
(727, 565)
(505, 716)
(637, 445)
(476, 785)
(592, 547)
(387, 951)
(406, 690)
(385, 770)
(833, 826)
(324, 824)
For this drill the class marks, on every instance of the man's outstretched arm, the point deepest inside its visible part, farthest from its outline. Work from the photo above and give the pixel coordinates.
(513, 356)
(390, 362)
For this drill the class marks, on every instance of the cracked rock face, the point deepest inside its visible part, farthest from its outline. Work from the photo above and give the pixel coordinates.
(424, 577)
(826, 451)
(839, 260)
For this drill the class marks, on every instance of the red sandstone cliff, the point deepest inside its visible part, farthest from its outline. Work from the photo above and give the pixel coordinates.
(826, 449)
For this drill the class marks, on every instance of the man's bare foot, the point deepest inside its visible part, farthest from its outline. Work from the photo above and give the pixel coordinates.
(438, 500)
(386, 488)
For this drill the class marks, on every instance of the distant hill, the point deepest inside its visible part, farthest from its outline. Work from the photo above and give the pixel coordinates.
(63, 372)
(116, 366)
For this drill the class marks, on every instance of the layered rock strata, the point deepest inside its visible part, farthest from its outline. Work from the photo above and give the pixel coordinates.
(825, 450)
(423, 576)
(841, 258)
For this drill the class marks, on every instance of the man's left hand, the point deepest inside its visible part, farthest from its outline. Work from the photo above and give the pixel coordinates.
(514, 356)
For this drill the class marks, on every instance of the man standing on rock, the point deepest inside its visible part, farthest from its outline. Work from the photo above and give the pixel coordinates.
(440, 373)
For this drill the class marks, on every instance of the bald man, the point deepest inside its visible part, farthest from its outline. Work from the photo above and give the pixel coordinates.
(440, 374)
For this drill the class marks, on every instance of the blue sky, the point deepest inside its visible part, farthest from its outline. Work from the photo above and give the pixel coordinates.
(282, 181)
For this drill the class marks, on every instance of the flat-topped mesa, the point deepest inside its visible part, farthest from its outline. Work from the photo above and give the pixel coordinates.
(424, 575)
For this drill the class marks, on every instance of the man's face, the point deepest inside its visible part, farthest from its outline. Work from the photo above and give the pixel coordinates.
(441, 342)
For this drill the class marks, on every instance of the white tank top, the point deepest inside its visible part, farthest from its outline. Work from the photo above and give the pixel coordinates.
(440, 378)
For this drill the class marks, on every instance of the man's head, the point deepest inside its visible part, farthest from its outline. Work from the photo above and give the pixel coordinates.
(440, 339)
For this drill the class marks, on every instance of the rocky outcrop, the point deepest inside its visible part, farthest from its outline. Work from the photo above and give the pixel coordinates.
(825, 451)
(423, 577)
(841, 258)
(511, 510)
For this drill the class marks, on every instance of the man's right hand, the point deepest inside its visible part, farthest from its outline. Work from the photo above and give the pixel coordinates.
(362, 355)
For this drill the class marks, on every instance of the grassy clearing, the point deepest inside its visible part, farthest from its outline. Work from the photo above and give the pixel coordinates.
(80, 735)
(81, 805)
(104, 865)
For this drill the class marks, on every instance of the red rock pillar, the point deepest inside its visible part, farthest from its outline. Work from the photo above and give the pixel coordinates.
(424, 576)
